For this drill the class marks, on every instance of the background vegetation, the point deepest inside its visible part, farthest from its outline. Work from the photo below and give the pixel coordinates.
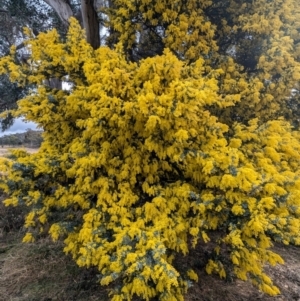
(30, 138)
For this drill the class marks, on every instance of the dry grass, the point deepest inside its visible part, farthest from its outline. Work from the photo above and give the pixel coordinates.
(41, 272)
(4, 151)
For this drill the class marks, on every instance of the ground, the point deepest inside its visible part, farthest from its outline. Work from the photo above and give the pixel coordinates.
(286, 277)
(41, 272)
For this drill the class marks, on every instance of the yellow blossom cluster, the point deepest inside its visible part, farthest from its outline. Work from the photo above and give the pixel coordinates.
(256, 43)
(178, 23)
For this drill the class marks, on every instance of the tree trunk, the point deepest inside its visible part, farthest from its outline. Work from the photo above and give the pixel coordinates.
(89, 16)
(53, 83)
(90, 22)
(62, 8)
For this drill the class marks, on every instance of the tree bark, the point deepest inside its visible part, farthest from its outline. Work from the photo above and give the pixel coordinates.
(89, 16)
(62, 8)
(90, 22)
(53, 83)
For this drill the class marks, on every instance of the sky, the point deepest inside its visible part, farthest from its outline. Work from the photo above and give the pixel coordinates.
(19, 126)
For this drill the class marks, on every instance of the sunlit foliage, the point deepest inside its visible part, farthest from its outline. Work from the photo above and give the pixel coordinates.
(142, 160)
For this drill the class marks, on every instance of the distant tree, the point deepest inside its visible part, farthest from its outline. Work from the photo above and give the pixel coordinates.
(33, 138)
(11, 140)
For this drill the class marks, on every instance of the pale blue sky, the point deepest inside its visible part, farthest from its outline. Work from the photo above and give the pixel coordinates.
(19, 126)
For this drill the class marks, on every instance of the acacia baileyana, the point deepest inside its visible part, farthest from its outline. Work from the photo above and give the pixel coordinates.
(142, 160)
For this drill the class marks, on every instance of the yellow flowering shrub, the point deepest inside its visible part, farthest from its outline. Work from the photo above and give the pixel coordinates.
(138, 165)
(256, 43)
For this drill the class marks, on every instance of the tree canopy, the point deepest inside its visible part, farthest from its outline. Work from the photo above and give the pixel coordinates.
(181, 128)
